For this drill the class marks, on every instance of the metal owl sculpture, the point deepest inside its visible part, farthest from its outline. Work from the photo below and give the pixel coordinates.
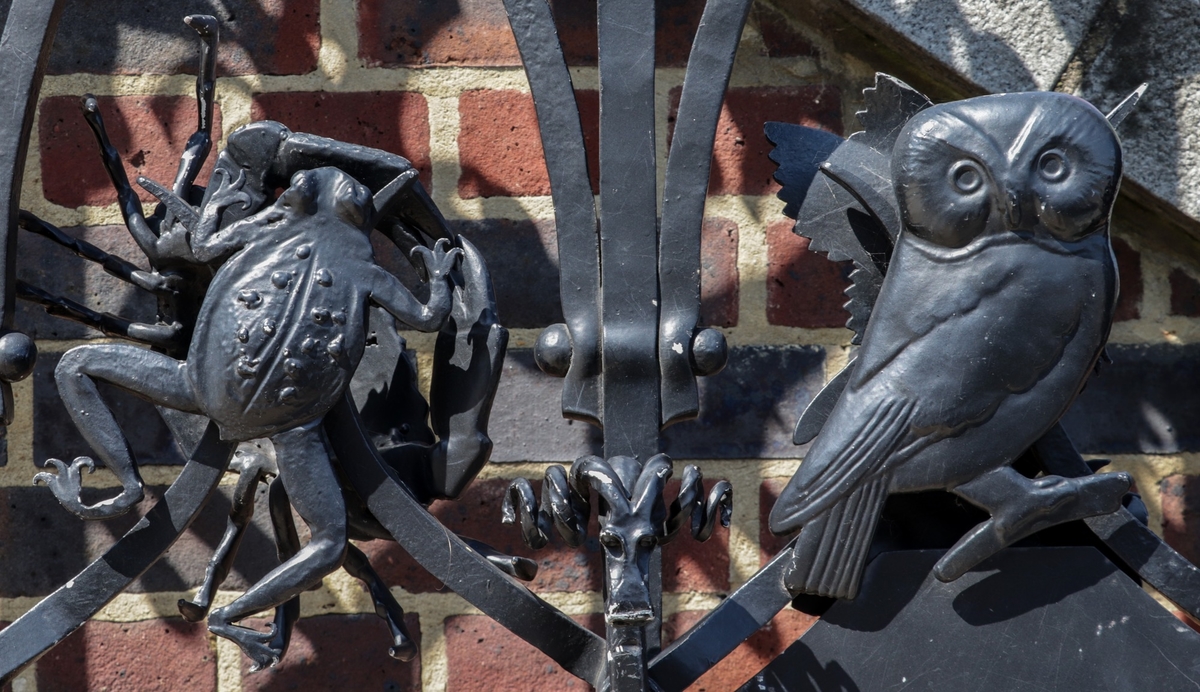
(983, 293)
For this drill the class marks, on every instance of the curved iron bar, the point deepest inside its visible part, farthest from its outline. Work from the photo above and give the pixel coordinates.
(63, 611)
(684, 192)
(452, 561)
(25, 44)
(574, 206)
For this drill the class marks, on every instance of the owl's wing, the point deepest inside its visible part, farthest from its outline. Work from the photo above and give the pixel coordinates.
(907, 389)
(840, 191)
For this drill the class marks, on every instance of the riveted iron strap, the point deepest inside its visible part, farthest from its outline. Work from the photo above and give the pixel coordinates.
(746, 610)
(1155, 561)
(63, 611)
(628, 228)
(451, 561)
(685, 190)
(574, 206)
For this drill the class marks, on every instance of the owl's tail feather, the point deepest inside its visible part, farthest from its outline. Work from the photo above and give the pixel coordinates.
(832, 549)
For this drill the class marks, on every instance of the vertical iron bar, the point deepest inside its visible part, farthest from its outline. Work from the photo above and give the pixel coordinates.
(628, 229)
(684, 193)
(629, 276)
(574, 207)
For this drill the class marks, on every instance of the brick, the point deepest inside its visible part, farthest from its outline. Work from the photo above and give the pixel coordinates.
(394, 121)
(53, 268)
(477, 515)
(485, 656)
(149, 132)
(1185, 294)
(750, 656)
(132, 37)
(719, 273)
(43, 546)
(804, 289)
(740, 164)
(1129, 268)
(1181, 514)
(527, 422)
(769, 545)
(750, 408)
(476, 32)
(1137, 405)
(500, 146)
(165, 655)
(338, 652)
(779, 35)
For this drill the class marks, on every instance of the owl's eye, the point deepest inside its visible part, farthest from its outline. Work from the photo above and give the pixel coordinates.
(1053, 166)
(966, 177)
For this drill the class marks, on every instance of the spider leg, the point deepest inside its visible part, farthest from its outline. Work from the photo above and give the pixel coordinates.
(253, 468)
(200, 143)
(403, 647)
(162, 335)
(114, 265)
(287, 544)
(131, 206)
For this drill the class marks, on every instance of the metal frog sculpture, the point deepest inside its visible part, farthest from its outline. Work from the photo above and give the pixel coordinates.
(272, 294)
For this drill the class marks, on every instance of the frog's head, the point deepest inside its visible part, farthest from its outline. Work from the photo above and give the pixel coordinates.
(330, 191)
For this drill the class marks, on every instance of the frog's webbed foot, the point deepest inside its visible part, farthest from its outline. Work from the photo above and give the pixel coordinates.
(258, 646)
(68, 482)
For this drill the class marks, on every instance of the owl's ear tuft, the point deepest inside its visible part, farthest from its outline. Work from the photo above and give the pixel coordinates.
(889, 104)
(1124, 108)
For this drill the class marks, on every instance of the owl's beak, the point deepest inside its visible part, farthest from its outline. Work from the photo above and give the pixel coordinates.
(1012, 213)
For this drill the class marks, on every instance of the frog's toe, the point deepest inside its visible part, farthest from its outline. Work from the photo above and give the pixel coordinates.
(256, 645)
(67, 484)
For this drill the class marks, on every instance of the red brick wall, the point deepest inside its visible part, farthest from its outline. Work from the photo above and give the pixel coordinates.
(440, 84)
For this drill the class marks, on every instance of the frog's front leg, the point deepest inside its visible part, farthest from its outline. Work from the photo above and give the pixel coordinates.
(150, 375)
(391, 295)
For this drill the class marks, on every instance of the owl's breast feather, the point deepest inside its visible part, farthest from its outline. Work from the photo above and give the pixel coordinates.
(959, 331)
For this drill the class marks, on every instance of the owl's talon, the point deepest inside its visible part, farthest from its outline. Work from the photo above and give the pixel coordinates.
(67, 485)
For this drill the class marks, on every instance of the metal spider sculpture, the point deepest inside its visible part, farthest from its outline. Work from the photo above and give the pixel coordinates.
(262, 306)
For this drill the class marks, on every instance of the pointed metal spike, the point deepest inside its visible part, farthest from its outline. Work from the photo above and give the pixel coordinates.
(184, 212)
(1124, 108)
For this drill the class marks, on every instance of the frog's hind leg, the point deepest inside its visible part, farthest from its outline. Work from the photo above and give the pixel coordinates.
(153, 376)
(314, 491)
(403, 647)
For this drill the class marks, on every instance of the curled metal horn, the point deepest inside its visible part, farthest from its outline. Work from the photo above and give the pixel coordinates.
(598, 474)
(520, 503)
(704, 512)
(568, 509)
(561, 507)
(718, 506)
(648, 492)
